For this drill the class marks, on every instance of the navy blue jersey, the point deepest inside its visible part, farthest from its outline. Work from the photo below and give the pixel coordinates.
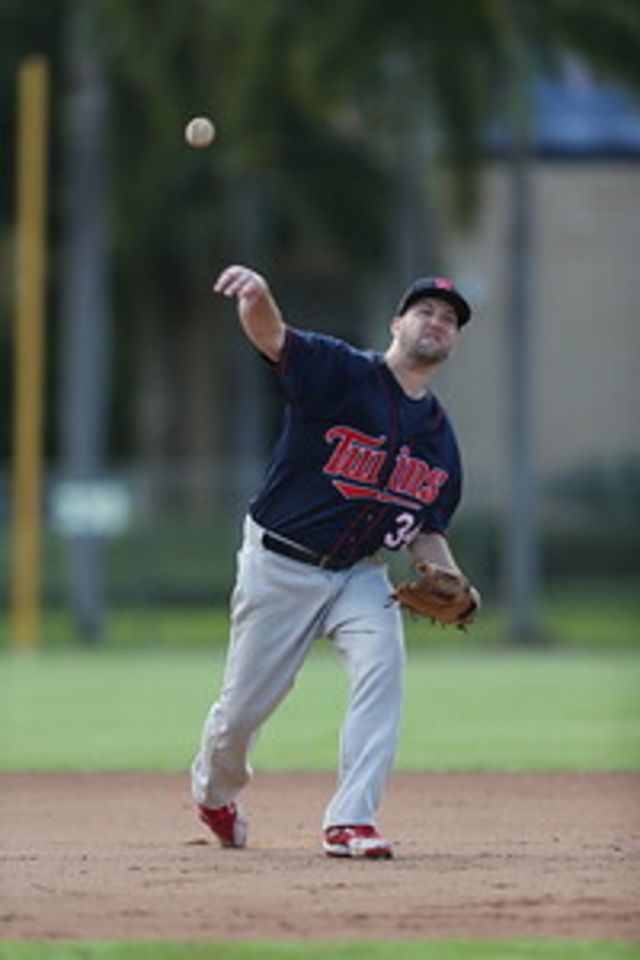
(358, 465)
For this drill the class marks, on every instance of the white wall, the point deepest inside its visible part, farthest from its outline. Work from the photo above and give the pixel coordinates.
(587, 314)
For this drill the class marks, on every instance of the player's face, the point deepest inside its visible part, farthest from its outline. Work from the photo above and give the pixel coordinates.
(428, 331)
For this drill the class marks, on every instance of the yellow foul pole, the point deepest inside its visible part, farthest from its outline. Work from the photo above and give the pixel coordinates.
(29, 350)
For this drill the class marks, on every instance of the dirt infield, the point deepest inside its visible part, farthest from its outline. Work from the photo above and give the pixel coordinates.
(116, 856)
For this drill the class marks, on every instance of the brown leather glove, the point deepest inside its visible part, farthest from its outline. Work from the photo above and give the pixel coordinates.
(439, 594)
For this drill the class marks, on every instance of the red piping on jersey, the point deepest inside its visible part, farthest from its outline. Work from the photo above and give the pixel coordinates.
(393, 433)
(334, 550)
(439, 414)
(375, 522)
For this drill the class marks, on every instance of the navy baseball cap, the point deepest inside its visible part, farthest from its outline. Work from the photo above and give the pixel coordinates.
(440, 288)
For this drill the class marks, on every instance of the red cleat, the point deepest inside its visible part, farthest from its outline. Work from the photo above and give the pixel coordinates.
(356, 841)
(227, 824)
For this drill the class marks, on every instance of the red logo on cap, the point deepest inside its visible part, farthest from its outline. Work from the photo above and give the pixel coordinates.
(443, 284)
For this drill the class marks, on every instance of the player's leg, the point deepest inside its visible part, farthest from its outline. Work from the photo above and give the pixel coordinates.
(368, 633)
(276, 612)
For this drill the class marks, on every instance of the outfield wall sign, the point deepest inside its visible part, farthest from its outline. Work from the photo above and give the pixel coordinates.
(98, 508)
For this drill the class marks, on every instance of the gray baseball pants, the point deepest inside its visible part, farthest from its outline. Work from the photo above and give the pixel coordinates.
(279, 607)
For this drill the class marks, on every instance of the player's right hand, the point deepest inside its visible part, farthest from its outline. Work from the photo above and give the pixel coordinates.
(241, 282)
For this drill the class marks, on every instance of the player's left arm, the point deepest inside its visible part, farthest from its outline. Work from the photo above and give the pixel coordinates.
(433, 548)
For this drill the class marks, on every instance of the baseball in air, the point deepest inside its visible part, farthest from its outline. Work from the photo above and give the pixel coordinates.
(200, 132)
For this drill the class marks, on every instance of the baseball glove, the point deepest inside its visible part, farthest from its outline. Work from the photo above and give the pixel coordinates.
(440, 594)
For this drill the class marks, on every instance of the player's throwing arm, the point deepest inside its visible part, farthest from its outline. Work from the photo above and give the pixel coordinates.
(259, 313)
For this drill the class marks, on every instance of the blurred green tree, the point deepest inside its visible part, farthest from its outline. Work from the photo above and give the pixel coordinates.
(332, 118)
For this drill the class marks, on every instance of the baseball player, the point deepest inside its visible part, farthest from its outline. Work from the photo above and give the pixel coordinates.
(366, 461)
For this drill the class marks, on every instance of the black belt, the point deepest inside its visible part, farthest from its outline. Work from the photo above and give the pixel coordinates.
(294, 551)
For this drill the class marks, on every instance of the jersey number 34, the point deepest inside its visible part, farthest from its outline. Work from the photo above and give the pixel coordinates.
(407, 526)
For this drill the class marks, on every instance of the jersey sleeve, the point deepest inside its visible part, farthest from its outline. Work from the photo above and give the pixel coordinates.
(314, 369)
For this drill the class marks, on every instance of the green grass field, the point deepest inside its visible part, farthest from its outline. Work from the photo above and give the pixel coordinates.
(436, 950)
(578, 615)
(493, 710)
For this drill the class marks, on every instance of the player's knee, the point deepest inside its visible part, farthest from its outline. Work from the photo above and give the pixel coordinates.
(388, 658)
(239, 724)
(379, 677)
